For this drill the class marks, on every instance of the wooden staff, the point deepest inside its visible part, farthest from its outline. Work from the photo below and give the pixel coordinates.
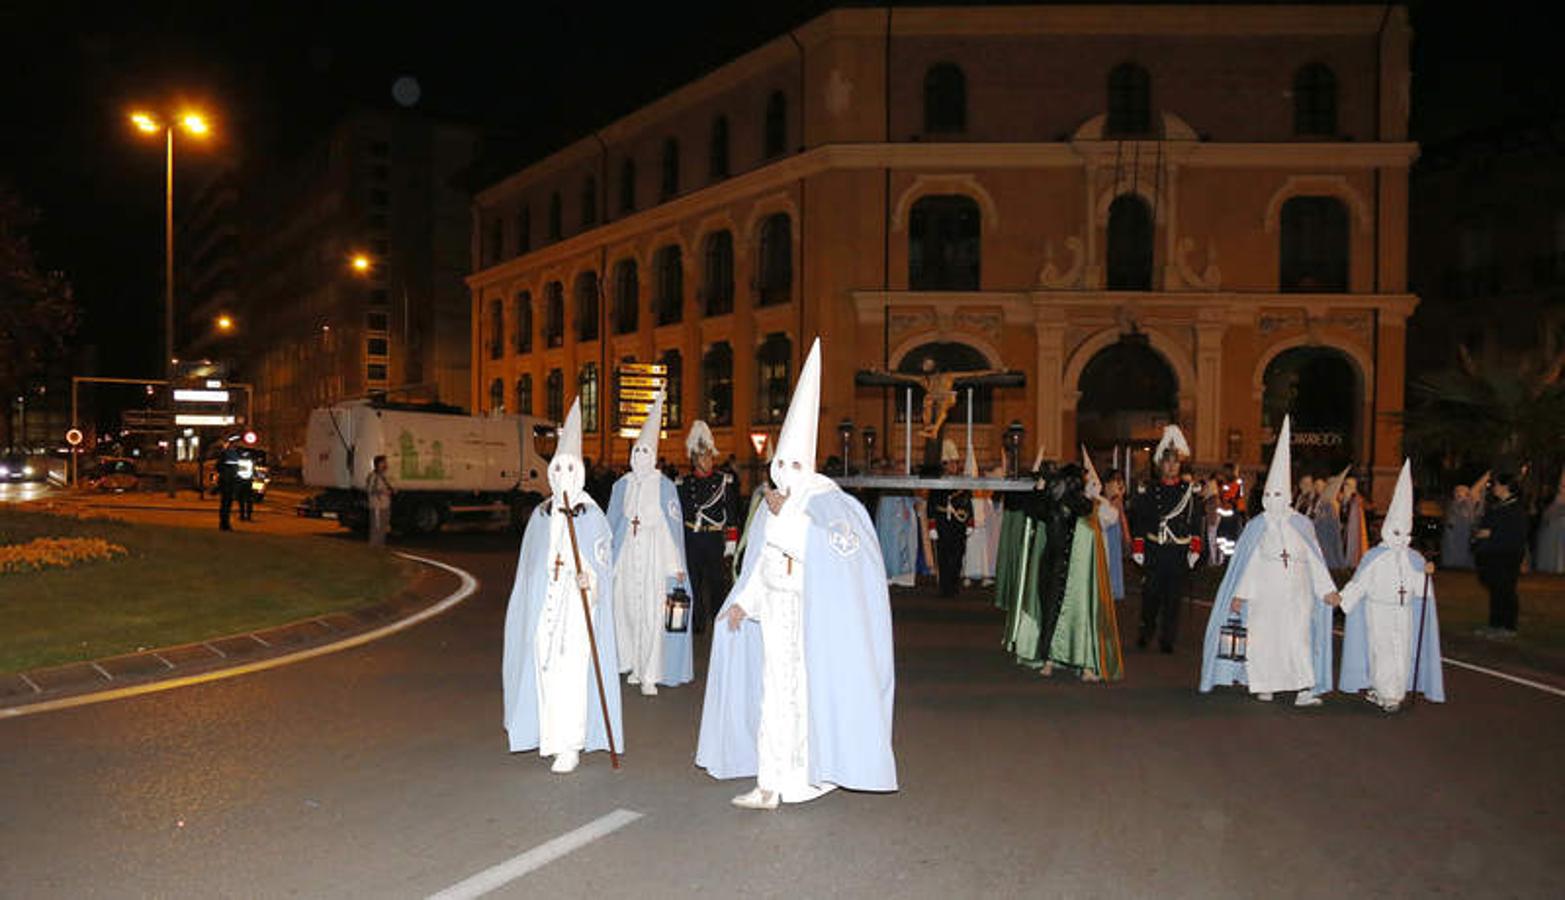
(592, 640)
(1418, 650)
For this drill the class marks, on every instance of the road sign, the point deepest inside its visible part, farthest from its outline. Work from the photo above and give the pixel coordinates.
(636, 385)
(73, 437)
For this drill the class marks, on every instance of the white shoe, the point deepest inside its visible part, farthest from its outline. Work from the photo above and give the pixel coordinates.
(1264, 697)
(1305, 698)
(649, 689)
(756, 799)
(988, 582)
(632, 679)
(1390, 707)
(566, 762)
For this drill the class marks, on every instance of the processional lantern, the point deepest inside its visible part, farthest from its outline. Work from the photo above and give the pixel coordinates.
(869, 447)
(1233, 640)
(1013, 445)
(677, 610)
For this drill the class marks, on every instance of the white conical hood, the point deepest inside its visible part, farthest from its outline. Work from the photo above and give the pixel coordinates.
(1277, 496)
(795, 453)
(1397, 529)
(1094, 484)
(566, 472)
(644, 453)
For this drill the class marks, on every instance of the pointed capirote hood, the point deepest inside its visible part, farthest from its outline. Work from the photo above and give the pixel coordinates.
(1090, 479)
(644, 453)
(1277, 496)
(795, 453)
(567, 473)
(1172, 440)
(1397, 529)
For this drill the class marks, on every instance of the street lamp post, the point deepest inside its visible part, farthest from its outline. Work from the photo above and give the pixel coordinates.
(195, 125)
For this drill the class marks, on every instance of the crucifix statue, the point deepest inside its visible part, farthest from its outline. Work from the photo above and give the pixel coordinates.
(941, 390)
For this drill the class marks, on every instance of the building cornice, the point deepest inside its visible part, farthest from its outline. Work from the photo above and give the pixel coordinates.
(1194, 20)
(1022, 307)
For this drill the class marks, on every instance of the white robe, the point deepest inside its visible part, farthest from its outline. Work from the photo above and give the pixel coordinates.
(978, 561)
(1281, 597)
(646, 563)
(1388, 588)
(561, 651)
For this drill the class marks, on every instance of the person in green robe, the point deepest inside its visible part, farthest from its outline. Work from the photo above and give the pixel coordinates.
(1086, 634)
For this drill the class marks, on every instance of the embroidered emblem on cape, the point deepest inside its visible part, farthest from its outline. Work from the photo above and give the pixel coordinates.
(673, 509)
(602, 550)
(842, 539)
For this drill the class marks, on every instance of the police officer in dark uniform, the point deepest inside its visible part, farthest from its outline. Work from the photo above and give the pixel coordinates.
(949, 514)
(709, 499)
(1165, 519)
(244, 485)
(227, 483)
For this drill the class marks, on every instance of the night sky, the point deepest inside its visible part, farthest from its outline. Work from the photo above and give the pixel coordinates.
(275, 75)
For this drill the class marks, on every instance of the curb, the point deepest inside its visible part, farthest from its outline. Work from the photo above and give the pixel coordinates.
(64, 687)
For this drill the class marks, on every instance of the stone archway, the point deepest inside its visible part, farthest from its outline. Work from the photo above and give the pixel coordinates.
(1322, 389)
(1128, 393)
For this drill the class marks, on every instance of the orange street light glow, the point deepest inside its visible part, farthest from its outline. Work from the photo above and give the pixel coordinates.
(145, 122)
(225, 323)
(194, 124)
(361, 263)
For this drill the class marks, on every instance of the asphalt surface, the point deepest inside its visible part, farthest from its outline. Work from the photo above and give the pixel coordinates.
(383, 772)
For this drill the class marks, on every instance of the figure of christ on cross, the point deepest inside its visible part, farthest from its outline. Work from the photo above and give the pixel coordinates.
(940, 388)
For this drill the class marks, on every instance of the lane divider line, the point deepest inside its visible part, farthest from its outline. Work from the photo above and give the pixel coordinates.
(220, 654)
(498, 876)
(159, 658)
(102, 671)
(466, 589)
(30, 683)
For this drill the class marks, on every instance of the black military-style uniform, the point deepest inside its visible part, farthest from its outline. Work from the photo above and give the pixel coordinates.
(949, 512)
(1165, 525)
(710, 505)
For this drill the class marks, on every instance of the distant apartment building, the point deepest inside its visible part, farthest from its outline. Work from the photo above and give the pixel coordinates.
(1192, 214)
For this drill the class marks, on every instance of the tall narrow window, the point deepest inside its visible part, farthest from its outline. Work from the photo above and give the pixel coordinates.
(496, 329)
(554, 314)
(524, 322)
(627, 297)
(673, 408)
(524, 395)
(774, 270)
(627, 187)
(669, 270)
(1315, 101)
(717, 283)
(495, 249)
(587, 306)
(773, 378)
(587, 391)
(556, 217)
(1130, 100)
(776, 138)
(497, 396)
(718, 158)
(670, 182)
(944, 241)
(1314, 251)
(524, 229)
(717, 384)
(945, 99)
(554, 396)
(1130, 244)
(589, 203)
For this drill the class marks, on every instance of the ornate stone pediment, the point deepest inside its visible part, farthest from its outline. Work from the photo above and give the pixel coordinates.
(1051, 277)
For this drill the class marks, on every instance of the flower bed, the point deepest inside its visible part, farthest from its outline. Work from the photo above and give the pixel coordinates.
(50, 552)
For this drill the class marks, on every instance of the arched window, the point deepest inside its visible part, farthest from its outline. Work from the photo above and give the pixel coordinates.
(1130, 100)
(668, 268)
(524, 229)
(944, 243)
(1130, 244)
(774, 266)
(589, 203)
(524, 395)
(717, 283)
(627, 186)
(670, 181)
(524, 322)
(1315, 101)
(587, 306)
(497, 396)
(554, 396)
(587, 392)
(718, 157)
(673, 408)
(1314, 252)
(496, 329)
(945, 99)
(774, 378)
(627, 296)
(776, 138)
(556, 217)
(717, 384)
(554, 314)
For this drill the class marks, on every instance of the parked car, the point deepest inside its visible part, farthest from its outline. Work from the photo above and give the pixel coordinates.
(16, 468)
(113, 473)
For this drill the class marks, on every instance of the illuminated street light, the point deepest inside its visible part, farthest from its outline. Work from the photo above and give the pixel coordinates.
(194, 123)
(145, 122)
(360, 263)
(225, 323)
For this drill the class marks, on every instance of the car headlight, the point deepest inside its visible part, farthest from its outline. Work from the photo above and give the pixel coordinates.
(5, 470)
(27, 470)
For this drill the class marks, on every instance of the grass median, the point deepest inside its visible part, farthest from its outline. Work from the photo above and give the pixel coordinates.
(174, 586)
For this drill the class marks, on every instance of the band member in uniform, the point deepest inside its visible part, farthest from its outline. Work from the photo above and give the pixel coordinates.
(710, 500)
(1166, 520)
(950, 513)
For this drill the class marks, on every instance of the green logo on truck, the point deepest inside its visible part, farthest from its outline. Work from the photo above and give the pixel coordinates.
(408, 452)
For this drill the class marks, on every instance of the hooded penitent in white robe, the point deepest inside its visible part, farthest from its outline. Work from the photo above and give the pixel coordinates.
(550, 689)
(1390, 607)
(649, 561)
(978, 560)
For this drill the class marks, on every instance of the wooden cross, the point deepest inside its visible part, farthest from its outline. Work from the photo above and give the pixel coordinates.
(635, 526)
(1401, 594)
(557, 563)
(1284, 557)
(790, 563)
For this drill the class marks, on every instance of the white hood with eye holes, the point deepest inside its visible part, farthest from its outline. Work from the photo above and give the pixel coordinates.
(567, 473)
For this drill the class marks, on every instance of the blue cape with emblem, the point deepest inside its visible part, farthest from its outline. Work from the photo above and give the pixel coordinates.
(1355, 639)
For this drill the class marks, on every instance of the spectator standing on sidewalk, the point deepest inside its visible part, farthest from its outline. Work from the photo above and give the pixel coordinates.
(1501, 542)
(379, 490)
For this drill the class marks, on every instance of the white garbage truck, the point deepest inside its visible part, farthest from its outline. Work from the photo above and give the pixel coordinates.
(442, 463)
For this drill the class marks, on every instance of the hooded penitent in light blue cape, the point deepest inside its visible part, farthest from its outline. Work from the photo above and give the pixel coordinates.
(847, 655)
(1355, 639)
(896, 523)
(518, 674)
(1220, 672)
(677, 654)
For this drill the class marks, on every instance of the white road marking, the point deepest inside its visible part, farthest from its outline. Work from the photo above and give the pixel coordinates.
(221, 654)
(468, 587)
(498, 876)
(166, 663)
(30, 683)
(102, 671)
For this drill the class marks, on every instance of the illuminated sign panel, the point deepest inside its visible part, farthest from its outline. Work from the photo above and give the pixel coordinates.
(636, 385)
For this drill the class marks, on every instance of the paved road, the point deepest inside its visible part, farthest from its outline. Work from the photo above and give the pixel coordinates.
(382, 772)
(26, 491)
